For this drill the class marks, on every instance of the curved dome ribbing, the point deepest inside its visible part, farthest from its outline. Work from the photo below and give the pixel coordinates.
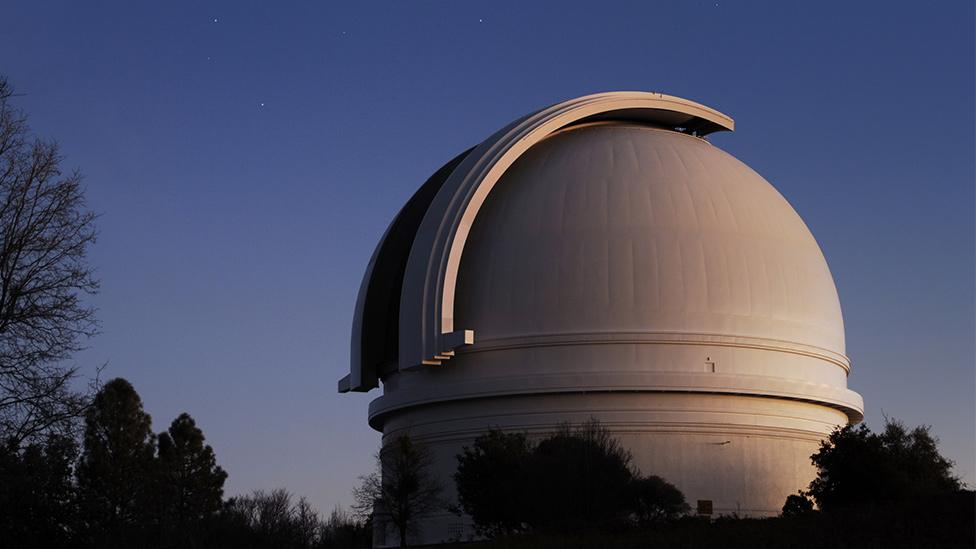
(615, 228)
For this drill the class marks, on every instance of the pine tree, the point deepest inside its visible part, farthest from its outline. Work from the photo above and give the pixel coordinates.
(192, 484)
(116, 466)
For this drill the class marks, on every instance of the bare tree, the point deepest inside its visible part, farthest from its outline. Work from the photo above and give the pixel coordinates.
(274, 513)
(275, 519)
(343, 529)
(45, 233)
(307, 524)
(402, 489)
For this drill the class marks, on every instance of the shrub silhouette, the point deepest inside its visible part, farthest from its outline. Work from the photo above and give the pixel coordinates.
(491, 481)
(579, 479)
(656, 501)
(797, 504)
(576, 479)
(858, 467)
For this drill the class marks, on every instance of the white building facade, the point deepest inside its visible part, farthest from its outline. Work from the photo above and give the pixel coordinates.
(600, 259)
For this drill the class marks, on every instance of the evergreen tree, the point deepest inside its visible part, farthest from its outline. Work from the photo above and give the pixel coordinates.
(191, 482)
(116, 467)
(37, 493)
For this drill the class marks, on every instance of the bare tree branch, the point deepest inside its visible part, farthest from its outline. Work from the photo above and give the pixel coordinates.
(403, 489)
(45, 233)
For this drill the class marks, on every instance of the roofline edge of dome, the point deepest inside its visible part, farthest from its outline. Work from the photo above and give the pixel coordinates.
(427, 335)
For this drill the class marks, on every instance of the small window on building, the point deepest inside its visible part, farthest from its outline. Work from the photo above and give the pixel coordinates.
(709, 365)
(704, 507)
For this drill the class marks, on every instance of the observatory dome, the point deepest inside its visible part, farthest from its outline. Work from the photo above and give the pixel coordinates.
(616, 229)
(601, 259)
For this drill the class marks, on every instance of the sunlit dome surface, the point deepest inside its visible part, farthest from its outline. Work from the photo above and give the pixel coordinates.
(616, 228)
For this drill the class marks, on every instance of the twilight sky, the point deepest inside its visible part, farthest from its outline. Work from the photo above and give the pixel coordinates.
(247, 156)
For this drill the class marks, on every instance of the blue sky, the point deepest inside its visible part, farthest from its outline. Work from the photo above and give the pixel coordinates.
(246, 157)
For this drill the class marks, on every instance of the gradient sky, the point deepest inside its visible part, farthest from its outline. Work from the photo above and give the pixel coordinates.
(246, 157)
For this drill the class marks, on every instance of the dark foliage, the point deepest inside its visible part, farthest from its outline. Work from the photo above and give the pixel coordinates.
(858, 467)
(402, 490)
(491, 482)
(190, 484)
(579, 479)
(945, 521)
(188, 468)
(116, 470)
(274, 520)
(37, 494)
(128, 492)
(797, 504)
(45, 233)
(343, 531)
(656, 501)
(574, 480)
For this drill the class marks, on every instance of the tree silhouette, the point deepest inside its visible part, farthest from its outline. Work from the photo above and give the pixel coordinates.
(858, 467)
(342, 531)
(402, 490)
(491, 479)
(37, 494)
(656, 500)
(576, 479)
(191, 483)
(581, 478)
(45, 233)
(797, 504)
(272, 519)
(115, 472)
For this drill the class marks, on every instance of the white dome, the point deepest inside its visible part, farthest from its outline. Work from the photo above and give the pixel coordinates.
(600, 259)
(610, 229)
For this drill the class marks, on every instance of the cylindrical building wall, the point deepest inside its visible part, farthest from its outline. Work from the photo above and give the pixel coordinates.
(743, 454)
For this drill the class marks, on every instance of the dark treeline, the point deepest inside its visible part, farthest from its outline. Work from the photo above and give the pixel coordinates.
(575, 479)
(887, 489)
(125, 486)
(942, 521)
(578, 488)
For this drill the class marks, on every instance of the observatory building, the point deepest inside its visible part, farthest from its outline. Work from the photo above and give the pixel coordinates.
(600, 259)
